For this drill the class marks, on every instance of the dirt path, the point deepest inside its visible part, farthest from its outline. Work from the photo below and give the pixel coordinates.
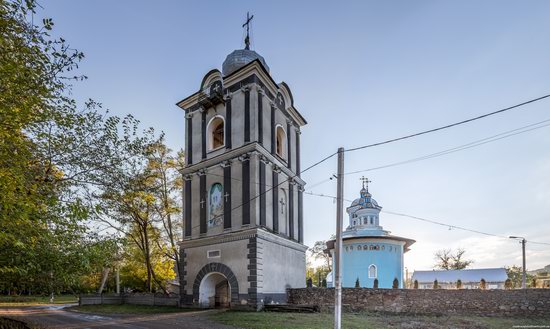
(56, 316)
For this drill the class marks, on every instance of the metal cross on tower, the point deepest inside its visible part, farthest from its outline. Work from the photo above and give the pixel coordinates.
(247, 24)
(365, 181)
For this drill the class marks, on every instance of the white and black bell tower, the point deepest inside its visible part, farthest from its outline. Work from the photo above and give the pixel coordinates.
(243, 202)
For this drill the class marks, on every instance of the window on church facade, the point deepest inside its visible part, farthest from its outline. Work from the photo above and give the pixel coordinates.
(372, 271)
(215, 205)
(281, 142)
(216, 133)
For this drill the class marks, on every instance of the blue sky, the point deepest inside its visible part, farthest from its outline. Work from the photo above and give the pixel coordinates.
(361, 72)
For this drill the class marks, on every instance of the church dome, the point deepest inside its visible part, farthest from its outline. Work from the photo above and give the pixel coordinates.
(240, 58)
(365, 200)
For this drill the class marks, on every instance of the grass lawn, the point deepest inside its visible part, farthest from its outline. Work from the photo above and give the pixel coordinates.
(272, 320)
(36, 300)
(129, 309)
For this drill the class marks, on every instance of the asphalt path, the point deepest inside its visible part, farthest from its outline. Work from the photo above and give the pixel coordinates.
(60, 316)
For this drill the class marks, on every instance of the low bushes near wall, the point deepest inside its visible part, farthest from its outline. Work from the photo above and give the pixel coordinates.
(528, 302)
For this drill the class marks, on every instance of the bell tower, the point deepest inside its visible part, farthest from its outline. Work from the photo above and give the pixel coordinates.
(243, 201)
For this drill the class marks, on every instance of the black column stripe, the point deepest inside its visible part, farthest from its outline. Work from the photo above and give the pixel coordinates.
(227, 197)
(189, 148)
(187, 208)
(273, 150)
(202, 204)
(289, 146)
(246, 191)
(298, 168)
(275, 202)
(228, 132)
(247, 116)
(291, 211)
(262, 194)
(300, 216)
(260, 119)
(203, 134)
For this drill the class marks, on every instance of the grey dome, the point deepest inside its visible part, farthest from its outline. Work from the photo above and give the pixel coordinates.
(240, 58)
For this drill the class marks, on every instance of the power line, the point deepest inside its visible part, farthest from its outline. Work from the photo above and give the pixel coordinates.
(472, 144)
(449, 125)
(431, 221)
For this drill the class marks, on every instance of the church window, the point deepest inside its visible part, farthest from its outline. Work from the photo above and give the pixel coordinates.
(354, 223)
(372, 271)
(215, 205)
(216, 133)
(371, 247)
(358, 247)
(350, 247)
(371, 220)
(213, 254)
(365, 247)
(365, 221)
(383, 247)
(281, 142)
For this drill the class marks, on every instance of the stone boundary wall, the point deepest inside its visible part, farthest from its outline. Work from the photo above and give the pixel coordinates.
(528, 302)
(135, 299)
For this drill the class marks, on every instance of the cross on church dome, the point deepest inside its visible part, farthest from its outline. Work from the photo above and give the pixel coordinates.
(241, 57)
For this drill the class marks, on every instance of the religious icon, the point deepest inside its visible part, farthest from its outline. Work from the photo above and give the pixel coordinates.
(216, 205)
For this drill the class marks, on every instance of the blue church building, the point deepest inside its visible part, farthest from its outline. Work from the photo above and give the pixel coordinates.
(369, 252)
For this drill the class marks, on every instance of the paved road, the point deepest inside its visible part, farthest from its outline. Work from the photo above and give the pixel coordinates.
(57, 316)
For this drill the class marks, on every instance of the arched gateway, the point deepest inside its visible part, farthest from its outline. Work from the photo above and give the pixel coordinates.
(215, 286)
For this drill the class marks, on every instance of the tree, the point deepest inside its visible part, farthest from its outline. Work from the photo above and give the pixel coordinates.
(458, 284)
(395, 283)
(415, 285)
(318, 253)
(48, 151)
(508, 284)
(446, 259)
(515, 274)
(357, 284)
(436, 284)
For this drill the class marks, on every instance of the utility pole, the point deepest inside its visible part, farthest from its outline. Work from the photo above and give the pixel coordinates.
(338, 244)
(524, 274)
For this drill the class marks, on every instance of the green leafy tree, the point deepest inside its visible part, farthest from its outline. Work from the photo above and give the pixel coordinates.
(48, 152)
(515, 274)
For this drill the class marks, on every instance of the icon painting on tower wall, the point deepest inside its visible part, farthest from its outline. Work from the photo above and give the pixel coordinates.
(216, 205)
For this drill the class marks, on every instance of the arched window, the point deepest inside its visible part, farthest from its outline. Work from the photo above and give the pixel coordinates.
(372, 272)
(215, 205)
(216, 133)
(281, 142)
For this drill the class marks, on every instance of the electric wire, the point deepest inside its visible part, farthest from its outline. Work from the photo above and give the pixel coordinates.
(449, 125)
(431, 221)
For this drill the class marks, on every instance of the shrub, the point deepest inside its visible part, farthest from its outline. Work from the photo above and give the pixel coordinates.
(458, 284)
(395, 283)
(375, 284)
(357, 284)
(415, 285)
(482, 284)
(436, 284)
(508, 284)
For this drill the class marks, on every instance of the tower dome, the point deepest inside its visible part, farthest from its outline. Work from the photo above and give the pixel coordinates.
(240, 58)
